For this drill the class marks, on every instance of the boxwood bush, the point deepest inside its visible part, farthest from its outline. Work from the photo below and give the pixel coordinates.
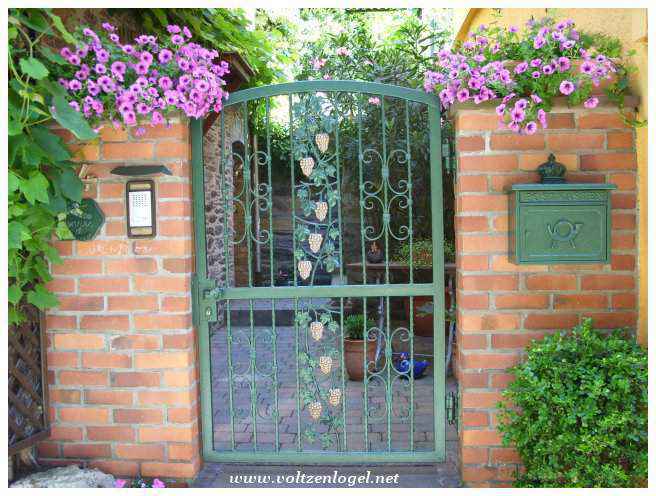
(577, 411)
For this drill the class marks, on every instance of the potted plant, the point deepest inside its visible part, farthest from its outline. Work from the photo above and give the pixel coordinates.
(354, 346)
(422, 259)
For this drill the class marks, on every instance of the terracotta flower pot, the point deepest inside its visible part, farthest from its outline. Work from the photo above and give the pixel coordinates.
(423, 318)
(354, 357)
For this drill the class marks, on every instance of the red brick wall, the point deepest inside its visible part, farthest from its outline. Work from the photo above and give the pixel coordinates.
(503, 306)
(121, 347)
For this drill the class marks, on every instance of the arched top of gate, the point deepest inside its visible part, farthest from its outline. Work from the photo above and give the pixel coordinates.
(378, 89)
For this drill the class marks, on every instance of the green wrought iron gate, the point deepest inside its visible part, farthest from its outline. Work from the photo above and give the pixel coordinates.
(319, 286)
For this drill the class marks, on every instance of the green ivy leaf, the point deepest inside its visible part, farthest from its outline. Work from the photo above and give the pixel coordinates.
(35, 188)
(70, 185)
(50, 143)
(14, 294)
(33, 68)
(14, 127)
(71, 119)
(13, 182)
(41, 298)
(16, 234)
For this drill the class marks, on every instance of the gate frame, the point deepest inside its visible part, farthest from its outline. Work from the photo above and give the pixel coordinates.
(205, 294)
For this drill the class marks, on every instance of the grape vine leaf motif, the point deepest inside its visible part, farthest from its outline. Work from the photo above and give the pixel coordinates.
(318, 384)
(84, 219)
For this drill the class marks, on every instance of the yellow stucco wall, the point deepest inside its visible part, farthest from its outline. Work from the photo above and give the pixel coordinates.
(630, 26)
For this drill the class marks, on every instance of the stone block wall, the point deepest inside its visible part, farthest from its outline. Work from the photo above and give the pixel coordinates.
(503, 306)
(122, 372)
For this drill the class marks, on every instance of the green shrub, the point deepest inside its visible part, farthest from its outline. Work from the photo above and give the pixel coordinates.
(581, 411)
(354, 326)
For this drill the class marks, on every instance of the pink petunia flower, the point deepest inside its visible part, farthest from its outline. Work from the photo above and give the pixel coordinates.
(591, 102)
(567, 87)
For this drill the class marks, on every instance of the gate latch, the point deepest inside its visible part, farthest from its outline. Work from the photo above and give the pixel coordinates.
(452, 408)
(205, 295)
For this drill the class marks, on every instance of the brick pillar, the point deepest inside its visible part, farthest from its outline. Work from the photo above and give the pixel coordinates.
(121, 347)
(502, 306)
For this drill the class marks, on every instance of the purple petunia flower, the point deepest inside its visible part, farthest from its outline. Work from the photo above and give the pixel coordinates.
(129, 118)
(129, 49)
(186, 32)
(462, 95)
(538, 42)
(587, 67)
(567, 87)
(563, 64)
(156, 118)
(548, 69)
(536, 62)
(521, 104)
(591, 102)
(102, 55)
(536, 74)
(165, 56)
(146, 57)
(542, 118)
(171, 97)
(74, 85)
(100, 69)
(176, 39)
(74, 59)
(142, 108)
(93, 88)
(158, 484)
(513, 29)
(521, 68)
(500, 109)
(141, 68)
(517, 115)
(165, 83)
(536, 99)
(114, 38)
(531, 127)
(183, 64)
(173, 28)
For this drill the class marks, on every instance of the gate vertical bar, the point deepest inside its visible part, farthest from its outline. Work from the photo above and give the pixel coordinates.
(246, 178)
(198, 186)
(438, 279)
(341, 281)
(411, 276)
(274, 330)
(365, 413)
(226, 254)
(294, 269)
(386, 227)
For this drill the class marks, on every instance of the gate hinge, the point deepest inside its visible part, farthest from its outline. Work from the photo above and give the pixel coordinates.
(452, 408)
(205, 295)
(448, 155)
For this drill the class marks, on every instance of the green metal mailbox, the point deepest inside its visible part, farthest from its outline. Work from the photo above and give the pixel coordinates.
(560, 223)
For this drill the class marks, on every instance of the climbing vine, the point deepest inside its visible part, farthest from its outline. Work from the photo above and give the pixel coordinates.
(41, 178)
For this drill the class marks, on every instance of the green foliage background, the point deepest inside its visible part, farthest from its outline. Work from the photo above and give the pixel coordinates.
(577, 411)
